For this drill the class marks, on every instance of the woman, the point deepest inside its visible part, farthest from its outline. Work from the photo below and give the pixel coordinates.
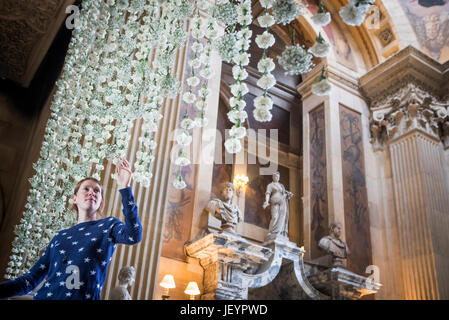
(277, 197)
(76, 260)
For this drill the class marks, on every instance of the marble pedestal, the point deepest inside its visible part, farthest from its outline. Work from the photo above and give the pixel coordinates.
(341, 284)
(232, 265)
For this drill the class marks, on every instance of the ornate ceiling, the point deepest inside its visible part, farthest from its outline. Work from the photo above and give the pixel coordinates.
(27, 29)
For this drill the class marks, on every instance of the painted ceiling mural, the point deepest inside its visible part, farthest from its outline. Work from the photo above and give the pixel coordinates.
(430, 21)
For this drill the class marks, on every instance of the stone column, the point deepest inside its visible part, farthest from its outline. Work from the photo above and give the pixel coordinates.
(335, 133)
(408, 126)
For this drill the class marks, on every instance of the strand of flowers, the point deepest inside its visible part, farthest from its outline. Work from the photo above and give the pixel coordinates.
(184, 138)
(148, 79)
(33, 233)
(237, 115)
(263, 104)
(201, 28)
(170, 36)
(210, 34)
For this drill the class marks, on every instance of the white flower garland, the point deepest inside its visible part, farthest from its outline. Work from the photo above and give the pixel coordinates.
(263, 104)
(237, 115)
(107, 83)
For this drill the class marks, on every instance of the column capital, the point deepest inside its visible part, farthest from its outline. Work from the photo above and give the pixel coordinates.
(409, 91)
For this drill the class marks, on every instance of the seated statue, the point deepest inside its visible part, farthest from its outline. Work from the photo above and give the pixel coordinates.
(223, 209)
(334, 246)
(126, 278)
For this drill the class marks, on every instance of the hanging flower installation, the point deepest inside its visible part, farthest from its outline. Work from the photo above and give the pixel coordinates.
(321, 48)
(321, 18)
(321, 87)
(119, 69)
(107, 83)
(354, 13)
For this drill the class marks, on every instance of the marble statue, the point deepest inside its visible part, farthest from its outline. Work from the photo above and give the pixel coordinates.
(277, 197)
(223, 209)
(334, 246)
(126, 278)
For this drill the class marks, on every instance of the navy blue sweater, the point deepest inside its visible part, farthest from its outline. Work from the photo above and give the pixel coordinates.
(76, 260)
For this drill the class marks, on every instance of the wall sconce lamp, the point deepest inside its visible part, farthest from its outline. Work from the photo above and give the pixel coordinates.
(192, 290)
(240, 181)
(168, 282)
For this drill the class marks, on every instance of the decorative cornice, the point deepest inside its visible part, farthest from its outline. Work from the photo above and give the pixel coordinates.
(27, 28)
(407, 66)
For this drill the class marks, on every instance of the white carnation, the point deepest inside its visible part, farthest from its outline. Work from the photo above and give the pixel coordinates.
(239, 73)
(320, 50)
(262, 115)
(237, 104)
(242, 59)
(233, 145)
(182, 161)
(353, 14)
(197, 47)
(179, 183)
(207, 73)
(201, 122)
(193, 81)
(265, 65)
(237, 132)
(187, 124)
(239, 88)
(184, 139)
(321, 88)
(189, 97)
(266, 81)
(263, 103)
(321, 19)
(265, 40)
(266, 20)
(266, 3)
(236, 115)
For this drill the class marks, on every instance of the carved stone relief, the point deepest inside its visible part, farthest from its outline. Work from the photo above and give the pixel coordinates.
(409, 108)
(23, 25)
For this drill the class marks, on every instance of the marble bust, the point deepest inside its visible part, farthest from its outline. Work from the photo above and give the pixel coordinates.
(334, 246)
(223, 209)
(126, 278)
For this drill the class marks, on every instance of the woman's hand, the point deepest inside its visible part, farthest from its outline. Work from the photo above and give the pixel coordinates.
(123, 173)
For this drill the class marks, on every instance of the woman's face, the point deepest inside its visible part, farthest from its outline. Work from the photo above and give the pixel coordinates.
(276, 177)
(88, 197)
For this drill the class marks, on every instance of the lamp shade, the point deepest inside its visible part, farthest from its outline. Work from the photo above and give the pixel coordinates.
(168, 282)
(192, 289)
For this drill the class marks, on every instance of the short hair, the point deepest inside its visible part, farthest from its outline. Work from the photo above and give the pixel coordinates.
(126, 274)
